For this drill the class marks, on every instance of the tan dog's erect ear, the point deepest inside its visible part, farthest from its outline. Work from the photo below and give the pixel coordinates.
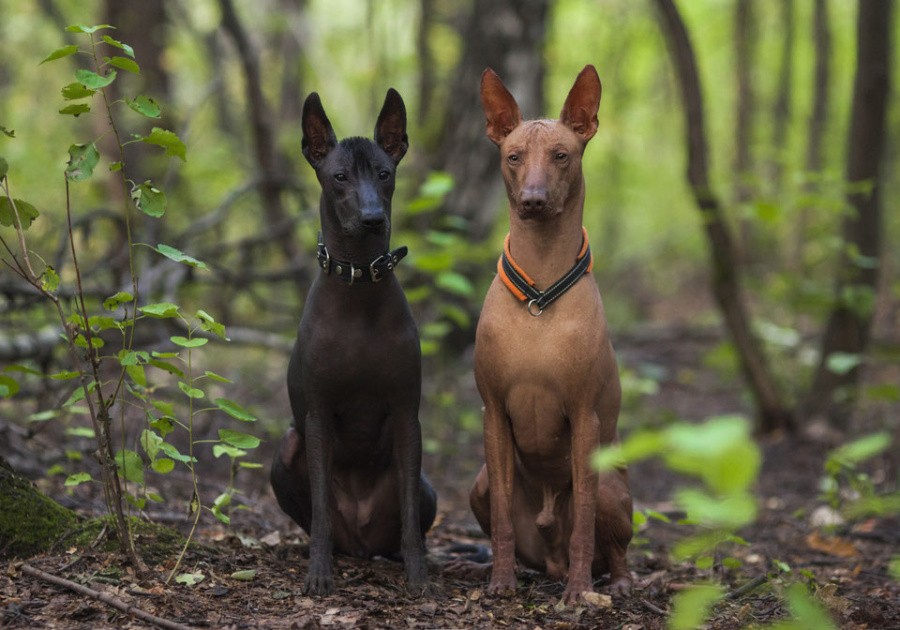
(500, 108)
(318, 136)
(580, 110)
(390, 129)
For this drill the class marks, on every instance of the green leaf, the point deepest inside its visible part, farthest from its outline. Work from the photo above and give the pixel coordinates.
(128, 50)
(163, 465)
(123, 63)
(179, 256)
(27, 213)
(75, 110)
(691, 607)
(190, 392)
(842, 362)
(190, 579)
(456, 283)
(184, 342)
(59, 53)
(85, 432)
(114, 167)
(9, 387)
(149, 199)
(94, 81)
(209, 324)
(168, 140)
(247, 575)
(238, 439)
(77, 479)
(224, 449)
(165, 425)
(81, 28)
(168, 367)
(130, 466)
(160, 310)
(150, 442)
(861, 449)
(216, 377)
(145, 106)
(806, 611)
(82, 160)
(173, 452)
(49, 280)
(112, 302)
(75, 91)
(234, 410)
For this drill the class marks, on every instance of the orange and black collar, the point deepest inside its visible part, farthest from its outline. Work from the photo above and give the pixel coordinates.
(522, 286)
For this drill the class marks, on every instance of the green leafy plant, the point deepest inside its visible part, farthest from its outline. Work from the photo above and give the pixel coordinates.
(116, 379)
(847, 488)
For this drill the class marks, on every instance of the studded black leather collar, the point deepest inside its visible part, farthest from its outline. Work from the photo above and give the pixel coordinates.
(368, 272)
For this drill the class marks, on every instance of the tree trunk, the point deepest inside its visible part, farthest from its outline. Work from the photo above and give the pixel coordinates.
(781, 112)
(816, 125)
(745, 34)
(30, 522)
(426, 61)
(726, 280)
(833, 391)
(508, 36)
(269, 163)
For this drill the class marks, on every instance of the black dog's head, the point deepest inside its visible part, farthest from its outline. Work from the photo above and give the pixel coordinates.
(356, 174)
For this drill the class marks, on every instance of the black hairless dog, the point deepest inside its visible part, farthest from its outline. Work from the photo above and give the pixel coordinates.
(349, 469)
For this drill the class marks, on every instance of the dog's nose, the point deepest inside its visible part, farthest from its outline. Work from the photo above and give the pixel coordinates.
(534, 199)
(373, 218)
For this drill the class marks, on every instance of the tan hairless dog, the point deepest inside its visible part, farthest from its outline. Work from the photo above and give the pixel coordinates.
(547, 372)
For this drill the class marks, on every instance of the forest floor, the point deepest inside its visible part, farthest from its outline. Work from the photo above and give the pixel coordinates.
(846, 568)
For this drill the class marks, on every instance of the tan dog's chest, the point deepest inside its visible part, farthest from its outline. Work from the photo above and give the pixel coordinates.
(544, 369)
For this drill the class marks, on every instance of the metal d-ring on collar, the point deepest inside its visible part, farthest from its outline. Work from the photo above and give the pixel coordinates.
(351, 273)
(523, 288)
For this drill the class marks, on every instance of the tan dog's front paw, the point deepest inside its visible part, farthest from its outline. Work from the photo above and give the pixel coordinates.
(502, 584)
(621, 586)
(574, 590)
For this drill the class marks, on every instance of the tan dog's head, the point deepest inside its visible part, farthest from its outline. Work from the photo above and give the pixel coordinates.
(541, 159)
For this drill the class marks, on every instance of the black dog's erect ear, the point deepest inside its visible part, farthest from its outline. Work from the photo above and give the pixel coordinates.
(318, 136)
(390, 129)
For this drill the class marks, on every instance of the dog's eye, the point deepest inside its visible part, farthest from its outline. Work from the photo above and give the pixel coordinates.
(561, 156)
(340, 177)
(512, 158)
(384, 174)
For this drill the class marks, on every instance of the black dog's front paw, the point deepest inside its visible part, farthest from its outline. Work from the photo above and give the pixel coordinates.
(417, 576)
(319, 579)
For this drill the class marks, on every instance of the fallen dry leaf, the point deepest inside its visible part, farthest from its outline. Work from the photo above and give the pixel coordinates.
(597, 600)
(832, 545)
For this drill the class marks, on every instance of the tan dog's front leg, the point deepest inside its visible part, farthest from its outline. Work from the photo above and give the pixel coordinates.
(500, 459)
(585, 434)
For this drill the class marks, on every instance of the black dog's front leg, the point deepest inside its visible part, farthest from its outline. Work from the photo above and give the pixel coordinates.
(319, 578)
(408, 459)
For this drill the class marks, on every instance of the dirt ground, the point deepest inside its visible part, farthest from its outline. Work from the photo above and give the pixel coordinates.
(847, 570)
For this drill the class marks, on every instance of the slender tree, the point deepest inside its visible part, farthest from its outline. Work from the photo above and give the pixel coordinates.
(849, 324)
(508, 36)
(817, 122)
(270, 163)
(726, 278)
(745, 36)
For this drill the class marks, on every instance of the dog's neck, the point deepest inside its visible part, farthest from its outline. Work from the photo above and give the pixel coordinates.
(547, 248)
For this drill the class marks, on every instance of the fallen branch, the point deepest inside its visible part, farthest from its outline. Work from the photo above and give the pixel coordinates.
(106, 598)
(759, 580)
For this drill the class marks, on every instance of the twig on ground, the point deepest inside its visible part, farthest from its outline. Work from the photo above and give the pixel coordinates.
(759, 580)
(106, 598)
